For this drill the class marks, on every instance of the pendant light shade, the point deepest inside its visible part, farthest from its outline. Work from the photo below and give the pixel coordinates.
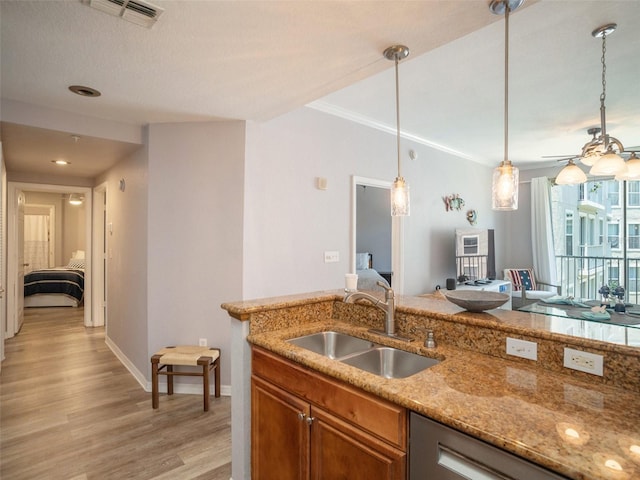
(609, 164)
(399, 198)
(504, 191)
(400, 189)
(504, 194)
(633, 169)
(571, 175)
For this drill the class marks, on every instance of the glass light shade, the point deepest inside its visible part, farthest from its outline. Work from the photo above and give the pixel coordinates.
(75, 199)
(400, 198)
(504, 191)
(571, 175)
(609, 164)
(591, 157)
(633, 170)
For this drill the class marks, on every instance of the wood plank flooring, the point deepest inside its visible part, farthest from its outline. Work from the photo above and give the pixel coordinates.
(70, 410)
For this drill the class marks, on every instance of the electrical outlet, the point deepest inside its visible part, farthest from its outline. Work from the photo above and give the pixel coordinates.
(331, 257)
(202, 342)
(522, 348)
(584, 361)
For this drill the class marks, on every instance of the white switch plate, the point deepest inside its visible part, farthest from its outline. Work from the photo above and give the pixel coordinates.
(584, 361)
(522, 348)
(331, 257)
(202, 342)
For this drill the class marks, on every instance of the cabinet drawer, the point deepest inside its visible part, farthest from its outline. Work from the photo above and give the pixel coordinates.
(372, 414)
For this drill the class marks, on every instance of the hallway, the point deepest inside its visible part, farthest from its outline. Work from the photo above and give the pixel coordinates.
(70, 410)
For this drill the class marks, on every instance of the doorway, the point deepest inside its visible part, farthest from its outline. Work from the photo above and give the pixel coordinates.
(15, 294)
(378, 228)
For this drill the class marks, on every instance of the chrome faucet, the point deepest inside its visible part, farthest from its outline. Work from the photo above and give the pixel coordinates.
(388, 307)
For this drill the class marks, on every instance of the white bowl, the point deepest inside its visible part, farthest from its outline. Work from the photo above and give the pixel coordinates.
(476, 300)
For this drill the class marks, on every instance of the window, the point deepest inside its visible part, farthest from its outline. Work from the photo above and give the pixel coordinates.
(568, 233)
(471, 245)
(600, 231)
(592, 230)
(634, 235)
(613, 193)
(633, 193)
(613, 235)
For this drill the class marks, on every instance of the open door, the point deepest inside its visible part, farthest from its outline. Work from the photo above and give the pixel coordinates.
(19, 290)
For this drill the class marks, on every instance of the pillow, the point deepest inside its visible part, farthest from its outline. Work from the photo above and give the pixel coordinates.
(522, 278)
(362, 261)
(78, 254)
(77, 263)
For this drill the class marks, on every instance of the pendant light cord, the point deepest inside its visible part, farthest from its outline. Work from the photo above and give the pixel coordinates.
(398, 114)
(506, 82)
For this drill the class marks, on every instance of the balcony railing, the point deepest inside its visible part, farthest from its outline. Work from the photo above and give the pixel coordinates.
(582, 276)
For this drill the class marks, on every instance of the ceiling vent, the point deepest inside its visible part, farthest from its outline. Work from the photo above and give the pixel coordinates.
(135, 11)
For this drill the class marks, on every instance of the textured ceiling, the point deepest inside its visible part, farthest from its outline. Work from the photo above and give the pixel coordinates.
(254, 60)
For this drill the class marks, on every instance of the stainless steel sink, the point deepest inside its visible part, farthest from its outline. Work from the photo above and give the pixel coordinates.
(332, 344)
(390, 362)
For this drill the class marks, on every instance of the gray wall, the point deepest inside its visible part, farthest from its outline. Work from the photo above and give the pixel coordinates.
(296, 222)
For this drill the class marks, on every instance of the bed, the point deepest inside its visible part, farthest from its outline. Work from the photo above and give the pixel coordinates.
(55, 287)
(368, 277)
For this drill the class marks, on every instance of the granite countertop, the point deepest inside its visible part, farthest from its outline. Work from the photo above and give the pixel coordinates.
(580, 429)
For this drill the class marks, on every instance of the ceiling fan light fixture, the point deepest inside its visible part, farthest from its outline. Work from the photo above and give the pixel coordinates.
(571, 174)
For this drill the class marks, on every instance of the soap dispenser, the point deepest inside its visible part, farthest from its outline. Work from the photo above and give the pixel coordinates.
(430, 341)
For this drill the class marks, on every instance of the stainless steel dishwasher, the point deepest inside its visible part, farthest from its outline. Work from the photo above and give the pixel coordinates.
(437, 452)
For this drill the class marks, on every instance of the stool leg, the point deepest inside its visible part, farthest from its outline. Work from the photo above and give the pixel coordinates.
(155, 401)
(169, 380)
(217, 376)
(205, 385)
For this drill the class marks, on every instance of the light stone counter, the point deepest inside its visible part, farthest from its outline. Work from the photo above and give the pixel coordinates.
(577, 424)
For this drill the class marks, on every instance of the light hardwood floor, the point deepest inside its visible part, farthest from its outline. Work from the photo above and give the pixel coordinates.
(70, 410)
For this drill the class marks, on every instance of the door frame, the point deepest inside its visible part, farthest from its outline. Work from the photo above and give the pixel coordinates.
(13, 188)
(99, 255)
(397, 231)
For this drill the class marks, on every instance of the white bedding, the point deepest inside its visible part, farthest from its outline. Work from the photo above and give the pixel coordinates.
(367, 280)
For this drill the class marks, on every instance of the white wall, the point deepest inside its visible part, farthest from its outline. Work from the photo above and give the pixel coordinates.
(127, 213)
(289, 223)
(195, 178)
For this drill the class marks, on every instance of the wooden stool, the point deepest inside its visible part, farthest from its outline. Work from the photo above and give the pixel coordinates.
(207, 358)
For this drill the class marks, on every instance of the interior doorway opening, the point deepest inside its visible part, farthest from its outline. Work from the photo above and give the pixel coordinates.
(15, 249)
(384, 216)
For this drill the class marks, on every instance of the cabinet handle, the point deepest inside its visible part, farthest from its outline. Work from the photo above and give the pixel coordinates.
(301, 416)
(309, 420)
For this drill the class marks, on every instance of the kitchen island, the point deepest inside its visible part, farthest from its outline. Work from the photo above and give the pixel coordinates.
(576, 424)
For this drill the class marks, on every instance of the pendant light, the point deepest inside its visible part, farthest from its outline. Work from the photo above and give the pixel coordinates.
(571, 174)
(399, 189)
(609, 162)
(504, 192)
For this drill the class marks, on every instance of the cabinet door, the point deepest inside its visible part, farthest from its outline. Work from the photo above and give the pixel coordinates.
(341, 451)
(279, 434)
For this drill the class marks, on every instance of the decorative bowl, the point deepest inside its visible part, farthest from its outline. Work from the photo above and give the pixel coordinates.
(476, 300)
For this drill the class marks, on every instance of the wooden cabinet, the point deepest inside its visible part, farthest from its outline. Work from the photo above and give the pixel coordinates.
(309, 426)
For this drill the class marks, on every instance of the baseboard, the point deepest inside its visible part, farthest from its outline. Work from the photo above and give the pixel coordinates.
(137, 374)
(192, 389)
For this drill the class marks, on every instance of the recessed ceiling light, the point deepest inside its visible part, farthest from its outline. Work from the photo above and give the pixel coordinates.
(60, 162)
(84, 91)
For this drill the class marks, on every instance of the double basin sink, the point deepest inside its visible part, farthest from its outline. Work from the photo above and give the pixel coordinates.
(384, 361)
